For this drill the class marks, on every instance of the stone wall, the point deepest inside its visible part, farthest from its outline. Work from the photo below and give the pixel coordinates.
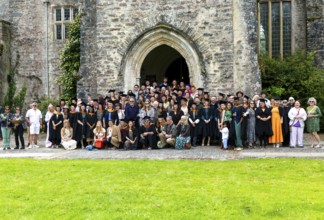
(315, 29)
(4, 56)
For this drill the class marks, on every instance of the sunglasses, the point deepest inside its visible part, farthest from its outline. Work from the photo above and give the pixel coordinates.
(311, 101)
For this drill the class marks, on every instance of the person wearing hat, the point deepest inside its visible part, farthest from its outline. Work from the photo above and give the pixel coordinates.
(110, 114)
(131, 136)
(266, 101)
(263, 123)
(91, 121)
(55, 126)
(176, 113)
(34, 120)
(239, 94)
(148, 134)
(168, 134)
(276, 123)
(65, 112)
(194, 122)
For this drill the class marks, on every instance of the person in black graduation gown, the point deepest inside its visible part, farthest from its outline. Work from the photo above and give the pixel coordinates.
(263, 123)
(206, 118)
(91, 121)
(214, 107)
(244, 123)
(131, 136)
(110, 115)
(285, 123)
(82, 123)
(55, 126)
(148, 134)
(176, 113)
(73, 119)
(194, 122)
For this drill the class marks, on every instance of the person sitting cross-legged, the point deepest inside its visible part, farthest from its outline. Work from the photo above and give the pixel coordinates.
(168, 134)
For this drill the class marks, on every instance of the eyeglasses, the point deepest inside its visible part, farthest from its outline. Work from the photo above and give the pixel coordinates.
(311, 101)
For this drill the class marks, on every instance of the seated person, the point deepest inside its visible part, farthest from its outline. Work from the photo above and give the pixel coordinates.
(168, 134)
(99, 135)
(183, 137)
(113, 135)
(131, 136)
(66, 135)
(148, 134)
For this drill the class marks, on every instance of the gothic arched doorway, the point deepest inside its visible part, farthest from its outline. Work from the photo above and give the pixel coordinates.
(162, 36)
(164, 61)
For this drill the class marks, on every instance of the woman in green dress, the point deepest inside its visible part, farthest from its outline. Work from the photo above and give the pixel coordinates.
(313, 121)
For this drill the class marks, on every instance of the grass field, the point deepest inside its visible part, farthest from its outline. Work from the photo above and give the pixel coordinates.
(143, 189)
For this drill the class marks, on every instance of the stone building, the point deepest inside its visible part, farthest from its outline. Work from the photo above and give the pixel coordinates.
(209, 43)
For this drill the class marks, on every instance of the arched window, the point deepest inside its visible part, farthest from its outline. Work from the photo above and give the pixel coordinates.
(274, 27)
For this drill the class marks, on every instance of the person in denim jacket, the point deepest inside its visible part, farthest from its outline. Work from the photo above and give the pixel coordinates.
(6, 125)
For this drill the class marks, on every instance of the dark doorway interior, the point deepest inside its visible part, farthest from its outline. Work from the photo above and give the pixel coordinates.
(164, 61)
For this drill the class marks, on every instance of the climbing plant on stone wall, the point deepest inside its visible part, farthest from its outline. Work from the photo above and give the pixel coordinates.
(70, 61)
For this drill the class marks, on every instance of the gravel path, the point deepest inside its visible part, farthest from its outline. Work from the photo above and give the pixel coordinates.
(196, 153)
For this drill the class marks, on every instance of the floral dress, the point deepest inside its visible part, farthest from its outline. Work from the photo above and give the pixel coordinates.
(312, 123)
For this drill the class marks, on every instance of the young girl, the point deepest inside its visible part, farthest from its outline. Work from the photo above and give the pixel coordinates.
(225, 134)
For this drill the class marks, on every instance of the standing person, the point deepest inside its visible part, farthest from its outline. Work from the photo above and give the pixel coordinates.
(1, 111)
(291, 103)
(48, 116)
(66, 135)
(276, 120)
(183, 133)
(238, 118)
(100, 112)
(55, 127)
(225, 133)
(110, 115)
(34, 119)
(297, 116)
(131, 136)
(146, 111)
(120, 113)
(206, 117)
(6, 125)
(285, 123)
(194, 119)
(313, 121)
(184, 106)
(28, 128)
(90, 123)
(176, 113)
(263, 123)
(250, 114)
(132, 111)
(75, 120)
(18, 121)
(82, 124)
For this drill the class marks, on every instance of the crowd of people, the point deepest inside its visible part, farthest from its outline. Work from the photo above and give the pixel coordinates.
(176, 115)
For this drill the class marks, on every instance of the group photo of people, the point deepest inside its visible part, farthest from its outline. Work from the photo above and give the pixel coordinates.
(162, 115)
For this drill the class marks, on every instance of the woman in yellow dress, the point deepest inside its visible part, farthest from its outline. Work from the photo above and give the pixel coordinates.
(276, 121)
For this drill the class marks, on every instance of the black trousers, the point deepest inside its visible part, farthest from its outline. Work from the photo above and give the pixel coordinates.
(19, 132)
(148, 141)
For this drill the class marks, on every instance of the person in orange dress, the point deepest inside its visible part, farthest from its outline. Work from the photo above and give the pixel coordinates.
(276, 120)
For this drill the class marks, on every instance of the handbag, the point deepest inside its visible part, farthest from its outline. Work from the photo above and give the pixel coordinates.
(297, 124)
(99, 143)
(188, 145)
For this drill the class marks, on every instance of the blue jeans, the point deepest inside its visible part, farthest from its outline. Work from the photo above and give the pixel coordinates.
(6, 137)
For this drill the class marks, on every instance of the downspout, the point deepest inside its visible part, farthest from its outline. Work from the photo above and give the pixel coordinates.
(46, 2)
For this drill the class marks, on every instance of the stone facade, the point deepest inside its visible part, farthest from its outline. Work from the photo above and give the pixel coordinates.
(217, 38)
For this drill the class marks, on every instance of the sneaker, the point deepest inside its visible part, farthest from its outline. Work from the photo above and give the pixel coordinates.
(317, 146)
(36, 146)
(30, 146)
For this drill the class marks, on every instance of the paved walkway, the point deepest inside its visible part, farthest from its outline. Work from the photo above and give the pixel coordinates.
(197, 153)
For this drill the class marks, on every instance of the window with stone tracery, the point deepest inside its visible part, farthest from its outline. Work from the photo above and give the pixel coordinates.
(63, 16)
(274, 27)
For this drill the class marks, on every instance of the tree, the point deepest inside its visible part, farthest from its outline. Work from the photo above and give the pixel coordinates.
(296, 75)
(70, 60)
(11, 99)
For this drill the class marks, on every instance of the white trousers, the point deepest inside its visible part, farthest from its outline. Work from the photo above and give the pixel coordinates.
(296, 135)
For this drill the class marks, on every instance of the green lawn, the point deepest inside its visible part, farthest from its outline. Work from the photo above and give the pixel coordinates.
(143, 189)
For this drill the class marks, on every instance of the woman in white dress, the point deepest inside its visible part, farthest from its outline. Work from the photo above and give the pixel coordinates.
(66, 134)
(49, 114)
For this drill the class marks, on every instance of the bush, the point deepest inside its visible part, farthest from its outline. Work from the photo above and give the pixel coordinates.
(296, 75)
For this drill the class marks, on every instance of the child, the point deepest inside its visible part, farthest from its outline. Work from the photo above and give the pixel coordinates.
(225, 133)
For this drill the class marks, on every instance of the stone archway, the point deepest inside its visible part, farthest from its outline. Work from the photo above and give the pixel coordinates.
(160, 35)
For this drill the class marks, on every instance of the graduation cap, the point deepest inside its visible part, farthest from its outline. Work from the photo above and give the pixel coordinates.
(262, 100)
(176, 103)
(111, 90)
(131, 95)
(222, 102)
(83, 103)
(110, 101)
(58, 106)
(62, 100)
(73, 105)
(239, 92)
(106, 98)
(95, 100)
(160, 116)
(156, 92)
(236, 98)
(221, 94)
(206, 100)
(202, 89)
(247, 97)
(123, 95)
(276, 98)
(184, 99)
(206, 93)
(147, 118)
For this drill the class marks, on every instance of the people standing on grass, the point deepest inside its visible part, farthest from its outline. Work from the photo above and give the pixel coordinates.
(297, 116)
(313, 121)
(6, 125)
(34, 120)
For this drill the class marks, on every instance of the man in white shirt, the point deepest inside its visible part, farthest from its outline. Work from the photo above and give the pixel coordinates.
(34, 120)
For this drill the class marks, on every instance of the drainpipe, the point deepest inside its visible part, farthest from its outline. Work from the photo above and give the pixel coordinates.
(46, 2)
